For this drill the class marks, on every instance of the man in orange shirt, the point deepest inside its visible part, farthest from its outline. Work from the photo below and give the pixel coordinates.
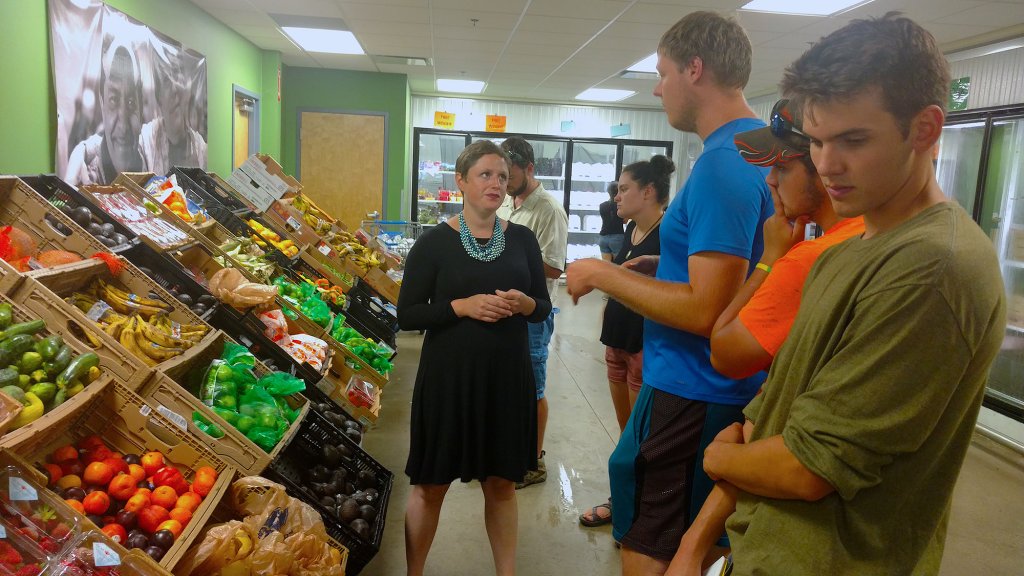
(753, 327)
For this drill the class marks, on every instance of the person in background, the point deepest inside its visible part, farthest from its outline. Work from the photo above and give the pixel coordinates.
(114, 148)
(641, 198)
(710, 241)
(168, 140)
(611, 236)
(530, 205)
(473, 283)
(849, 457)
(753, 327)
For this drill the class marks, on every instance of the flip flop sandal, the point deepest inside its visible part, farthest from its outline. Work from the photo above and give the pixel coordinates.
(595, 518)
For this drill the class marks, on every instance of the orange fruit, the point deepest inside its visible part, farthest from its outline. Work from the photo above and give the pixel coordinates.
(98, 474)
(122, 487)
(69, 481)
(78, 507)
(152, 461)
(181, 515)
(138, 473)
(174, 526)
(137, 502)
(96, 503)
(64, 454)
(189, 501)
(164, 496)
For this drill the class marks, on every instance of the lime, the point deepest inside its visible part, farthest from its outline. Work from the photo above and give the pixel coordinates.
(226, 401)
(245, 423)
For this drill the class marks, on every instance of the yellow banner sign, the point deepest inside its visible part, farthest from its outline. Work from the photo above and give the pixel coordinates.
(496, 123)
(444, 120)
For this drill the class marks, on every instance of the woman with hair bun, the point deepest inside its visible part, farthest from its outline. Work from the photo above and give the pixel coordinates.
(642, 196)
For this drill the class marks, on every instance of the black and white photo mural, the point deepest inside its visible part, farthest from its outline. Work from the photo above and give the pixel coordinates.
(129, 99)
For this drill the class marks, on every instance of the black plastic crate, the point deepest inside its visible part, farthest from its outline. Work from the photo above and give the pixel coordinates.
(238, 225)
(248, 330)
(289, 467)
(197, 180)
(171, 276)
(60, 194)
(317, 397)
(380, 323)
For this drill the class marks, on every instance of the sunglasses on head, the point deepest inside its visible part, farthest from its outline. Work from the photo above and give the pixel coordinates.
(516, 158)
(783, 128)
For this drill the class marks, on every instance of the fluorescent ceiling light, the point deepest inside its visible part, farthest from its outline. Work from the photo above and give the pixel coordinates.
(322, 40)
(803, 7)
(986, 50)
(604, 94)
(649, 65)
(464, 86)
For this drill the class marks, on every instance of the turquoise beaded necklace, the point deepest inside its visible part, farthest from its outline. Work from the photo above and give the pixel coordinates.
(487, 252)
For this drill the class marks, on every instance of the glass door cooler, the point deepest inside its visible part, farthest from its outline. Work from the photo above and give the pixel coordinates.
(437, 195)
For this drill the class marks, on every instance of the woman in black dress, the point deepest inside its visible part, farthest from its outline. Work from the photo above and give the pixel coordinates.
(642, 197)
(472, 282)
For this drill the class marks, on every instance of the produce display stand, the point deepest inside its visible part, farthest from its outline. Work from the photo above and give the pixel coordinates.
(44, 296)
(60, 194)
(238, 226)
(16, 471)
(328, 269)
(128, 424)
(94, 193)
(291, 466)
(136, 183)
(248, 330)
(23, 208)
(175, 389)
(333, 387)
(177, 270)
(200, 183)
(71, 405)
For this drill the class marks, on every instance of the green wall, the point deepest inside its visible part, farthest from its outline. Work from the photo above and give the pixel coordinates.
(27, 108)
(345, 90)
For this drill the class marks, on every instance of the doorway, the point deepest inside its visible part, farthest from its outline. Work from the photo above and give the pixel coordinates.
(341, 161)
(245, 125)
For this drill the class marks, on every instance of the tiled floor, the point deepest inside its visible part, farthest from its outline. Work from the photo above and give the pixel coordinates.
(986, 534)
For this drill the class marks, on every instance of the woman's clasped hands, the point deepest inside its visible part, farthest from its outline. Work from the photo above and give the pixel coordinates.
(491, 307)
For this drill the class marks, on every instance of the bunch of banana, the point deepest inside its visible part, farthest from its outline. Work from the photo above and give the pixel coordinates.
(287, 247)
(236, 555)
(128, 303)
(312, 215)
(153, 340)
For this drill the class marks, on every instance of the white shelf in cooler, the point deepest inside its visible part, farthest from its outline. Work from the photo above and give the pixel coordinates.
(540, 177)
(440, 201)
(1015, 328)
(591, 179)
(1013, 263)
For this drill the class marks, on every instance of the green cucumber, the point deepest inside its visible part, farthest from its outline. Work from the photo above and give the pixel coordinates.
(59, 362)
(78, 368)
(16, 393)
(6, 315)
(30, 362)
(49, 346)
(12, 348)
(28, 328)
(8, 377)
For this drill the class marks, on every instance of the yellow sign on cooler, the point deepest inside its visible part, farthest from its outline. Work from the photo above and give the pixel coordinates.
(445, 120)
(496, 123)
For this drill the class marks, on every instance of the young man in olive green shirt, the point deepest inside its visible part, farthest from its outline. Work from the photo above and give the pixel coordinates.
(848, 459)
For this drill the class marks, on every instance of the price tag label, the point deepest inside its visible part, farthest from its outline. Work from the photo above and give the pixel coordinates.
(294, 224)
(21, 491)
(174, 417)
(3, 532)
(145, 410)
(324, 249)
(104, 556)
(98, 311)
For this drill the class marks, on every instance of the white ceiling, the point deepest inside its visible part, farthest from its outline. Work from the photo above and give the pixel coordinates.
(551, 50)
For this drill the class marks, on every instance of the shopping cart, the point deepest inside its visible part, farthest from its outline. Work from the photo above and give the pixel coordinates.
(397, 236)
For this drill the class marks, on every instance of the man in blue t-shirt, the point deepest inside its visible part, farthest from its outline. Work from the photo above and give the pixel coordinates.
(710, 242)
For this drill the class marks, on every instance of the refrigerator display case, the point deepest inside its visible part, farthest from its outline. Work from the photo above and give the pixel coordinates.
(576, 171)
(980, 164)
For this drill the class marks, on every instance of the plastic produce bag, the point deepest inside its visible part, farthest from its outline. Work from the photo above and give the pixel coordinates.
(260, 419)
(308, 349)
(276, 326)
(231, 287)
(316, 310)
(281, 384)
(278, 535)
(219, 388)
(238, 356)
(209, 428)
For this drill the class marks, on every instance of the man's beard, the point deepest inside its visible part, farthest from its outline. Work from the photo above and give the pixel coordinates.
(519, 191)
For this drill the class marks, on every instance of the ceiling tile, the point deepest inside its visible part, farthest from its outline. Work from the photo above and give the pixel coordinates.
(993, 14)
(380, 11)
(324, 8)
(594, 9)
(242, 17)
(664, 14)
(485, 18)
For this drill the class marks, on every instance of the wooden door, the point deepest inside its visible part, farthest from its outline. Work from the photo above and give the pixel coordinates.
(341, 163)
(241, 136)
